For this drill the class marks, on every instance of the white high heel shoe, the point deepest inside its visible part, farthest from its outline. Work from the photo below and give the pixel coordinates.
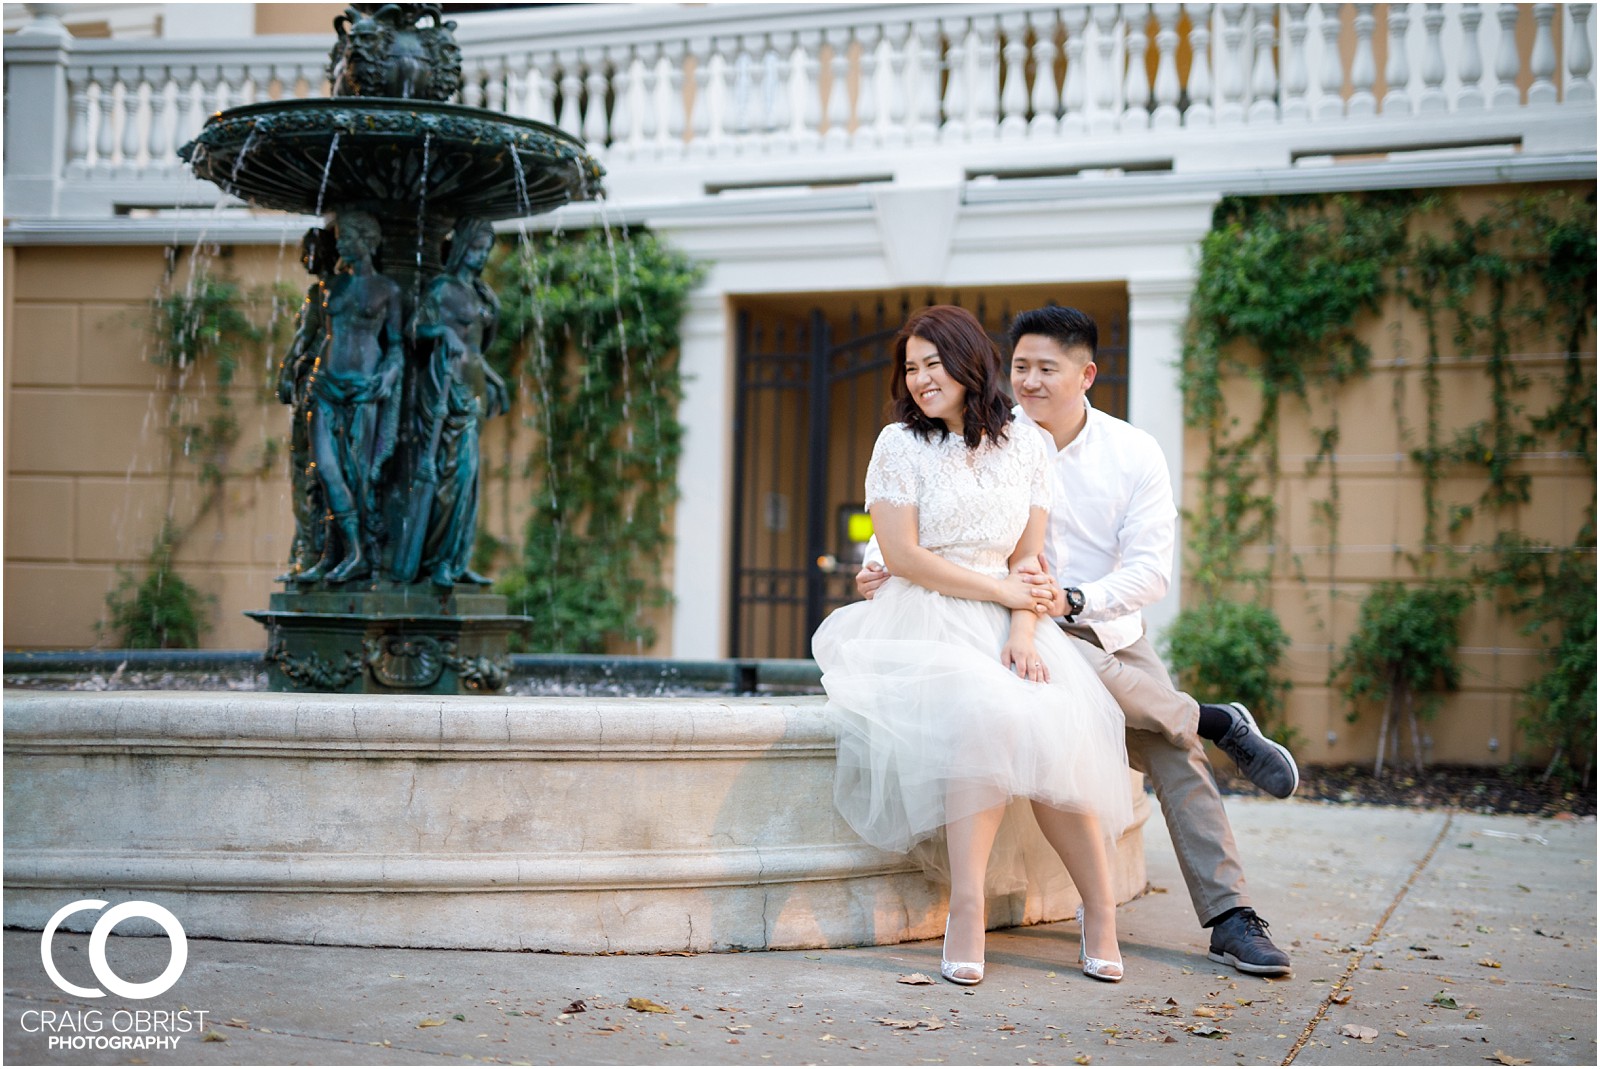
(948, 968)
(1095, 968)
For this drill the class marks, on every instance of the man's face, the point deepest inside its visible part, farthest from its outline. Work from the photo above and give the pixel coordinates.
(1049, 381)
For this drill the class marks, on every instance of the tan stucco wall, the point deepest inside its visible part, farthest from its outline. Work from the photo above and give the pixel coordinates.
(87, 460)
(1380, 489)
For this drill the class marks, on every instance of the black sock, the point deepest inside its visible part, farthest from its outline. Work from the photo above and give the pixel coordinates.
(1219, 918)
(1215, 720)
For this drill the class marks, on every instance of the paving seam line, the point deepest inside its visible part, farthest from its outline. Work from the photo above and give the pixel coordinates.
(1377, 930)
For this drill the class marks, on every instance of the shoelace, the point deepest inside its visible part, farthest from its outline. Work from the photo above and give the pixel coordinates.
(1255, 925)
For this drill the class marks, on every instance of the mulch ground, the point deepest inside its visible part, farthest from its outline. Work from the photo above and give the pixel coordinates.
(1477, 790)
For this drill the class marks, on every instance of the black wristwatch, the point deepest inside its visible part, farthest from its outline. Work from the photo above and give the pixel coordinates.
(1075, 602)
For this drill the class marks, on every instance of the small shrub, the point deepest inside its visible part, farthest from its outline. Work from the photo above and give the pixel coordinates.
(1230, 651)
(162, 610)
(1403, 654)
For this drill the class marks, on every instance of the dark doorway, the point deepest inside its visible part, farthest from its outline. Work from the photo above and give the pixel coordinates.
(812, 377)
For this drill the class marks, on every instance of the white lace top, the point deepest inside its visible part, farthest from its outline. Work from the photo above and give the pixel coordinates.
(972, 504)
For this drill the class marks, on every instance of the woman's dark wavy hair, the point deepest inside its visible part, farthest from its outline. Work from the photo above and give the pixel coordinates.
(970, 358)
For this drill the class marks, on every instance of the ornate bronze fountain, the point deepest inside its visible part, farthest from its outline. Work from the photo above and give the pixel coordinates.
(386, 376)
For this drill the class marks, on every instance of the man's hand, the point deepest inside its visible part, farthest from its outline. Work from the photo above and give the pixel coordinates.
(1037, 572)
(871, 576)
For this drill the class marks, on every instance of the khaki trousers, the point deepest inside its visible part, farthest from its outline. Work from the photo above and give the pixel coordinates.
(1162, 744)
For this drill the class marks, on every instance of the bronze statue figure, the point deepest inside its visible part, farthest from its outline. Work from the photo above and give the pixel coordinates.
(457, 392)
(355, 407)
(293, 389)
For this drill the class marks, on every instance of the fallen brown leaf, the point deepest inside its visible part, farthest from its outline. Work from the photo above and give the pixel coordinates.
(914, 978)
(429, 1022)
(1507, 1059)
(213, 1036)
(644, 1005)
(576, 1006)
(1474, 1014)
(1206, 1011)
(1341, 997)
(1210, 1031)
(1359, 1031)
(1489, 963)
(1082, 1059)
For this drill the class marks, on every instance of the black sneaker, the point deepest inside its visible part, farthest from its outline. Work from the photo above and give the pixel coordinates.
(1242, 941)
(1265, 763)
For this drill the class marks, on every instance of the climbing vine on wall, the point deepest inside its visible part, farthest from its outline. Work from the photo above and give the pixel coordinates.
(1288, 287)
(590, 333)
(199, 331)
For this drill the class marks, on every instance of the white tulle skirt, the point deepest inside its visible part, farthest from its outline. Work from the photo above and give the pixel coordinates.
(933, 728)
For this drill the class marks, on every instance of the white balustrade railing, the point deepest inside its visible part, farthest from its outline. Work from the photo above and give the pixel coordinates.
(647, 87)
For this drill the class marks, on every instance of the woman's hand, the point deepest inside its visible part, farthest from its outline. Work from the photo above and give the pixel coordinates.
(1020, 655)
(1019, 592)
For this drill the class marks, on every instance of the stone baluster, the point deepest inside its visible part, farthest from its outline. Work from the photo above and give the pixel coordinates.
(1330, 105)
(129, 83)
(780, 117)
(78, 82)
(1230, 65)
(1469, 97)
(1296, 75)
(1397, 69)
(186, 118)
(868, 40)
(494, 84)
(837, 38)
(1433, 100)
(1075, 89)
(1363, 68)
(1014, 87)
(595, 85)
(956, 94)
(311, 75)
(806, 81)
(223, 89)
(626, 128)
(1045, 99)
(718, 94)
(1106, 83)
(894, 112)
(570, 118)
(157, 143)
(983, 56)
(1507, 63)
(922, 82)
(1200, 111)
(542, 91)
(1136, 78)
(1166, 115)
(260, 82)
(105, 139)
(1542, 60)
(741, 95)
(674, 120)
(517, 67)
(1580, 57)
(1263, 70)
(651, 119)
(472, 83)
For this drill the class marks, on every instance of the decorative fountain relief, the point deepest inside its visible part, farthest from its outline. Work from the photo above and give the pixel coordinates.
(386, 376)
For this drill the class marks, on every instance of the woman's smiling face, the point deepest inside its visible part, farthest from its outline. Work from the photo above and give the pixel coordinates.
(930, 385)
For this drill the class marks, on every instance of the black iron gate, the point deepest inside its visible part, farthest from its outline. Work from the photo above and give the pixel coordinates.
(807, 410)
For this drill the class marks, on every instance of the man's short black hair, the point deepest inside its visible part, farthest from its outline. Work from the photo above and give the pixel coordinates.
(1067, 327)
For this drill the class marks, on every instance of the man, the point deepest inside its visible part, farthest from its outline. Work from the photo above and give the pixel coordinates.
(1110, 542)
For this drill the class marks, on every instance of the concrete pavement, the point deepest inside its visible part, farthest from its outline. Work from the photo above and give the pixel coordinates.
(1418, 938)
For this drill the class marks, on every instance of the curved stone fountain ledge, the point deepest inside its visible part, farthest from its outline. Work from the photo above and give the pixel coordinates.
(565, 824)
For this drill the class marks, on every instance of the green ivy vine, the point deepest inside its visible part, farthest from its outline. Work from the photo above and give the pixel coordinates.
(1289, 286)
(200, 330)
(590, 326)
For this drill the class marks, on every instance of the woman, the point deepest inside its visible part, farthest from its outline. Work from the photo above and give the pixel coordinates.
(460, 390)
(950, 701)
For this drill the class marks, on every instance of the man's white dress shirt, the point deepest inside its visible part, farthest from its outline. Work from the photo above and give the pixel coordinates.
(1113, 524)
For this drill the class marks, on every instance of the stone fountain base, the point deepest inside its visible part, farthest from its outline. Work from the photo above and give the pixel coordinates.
(393, 638)
(586, 825)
